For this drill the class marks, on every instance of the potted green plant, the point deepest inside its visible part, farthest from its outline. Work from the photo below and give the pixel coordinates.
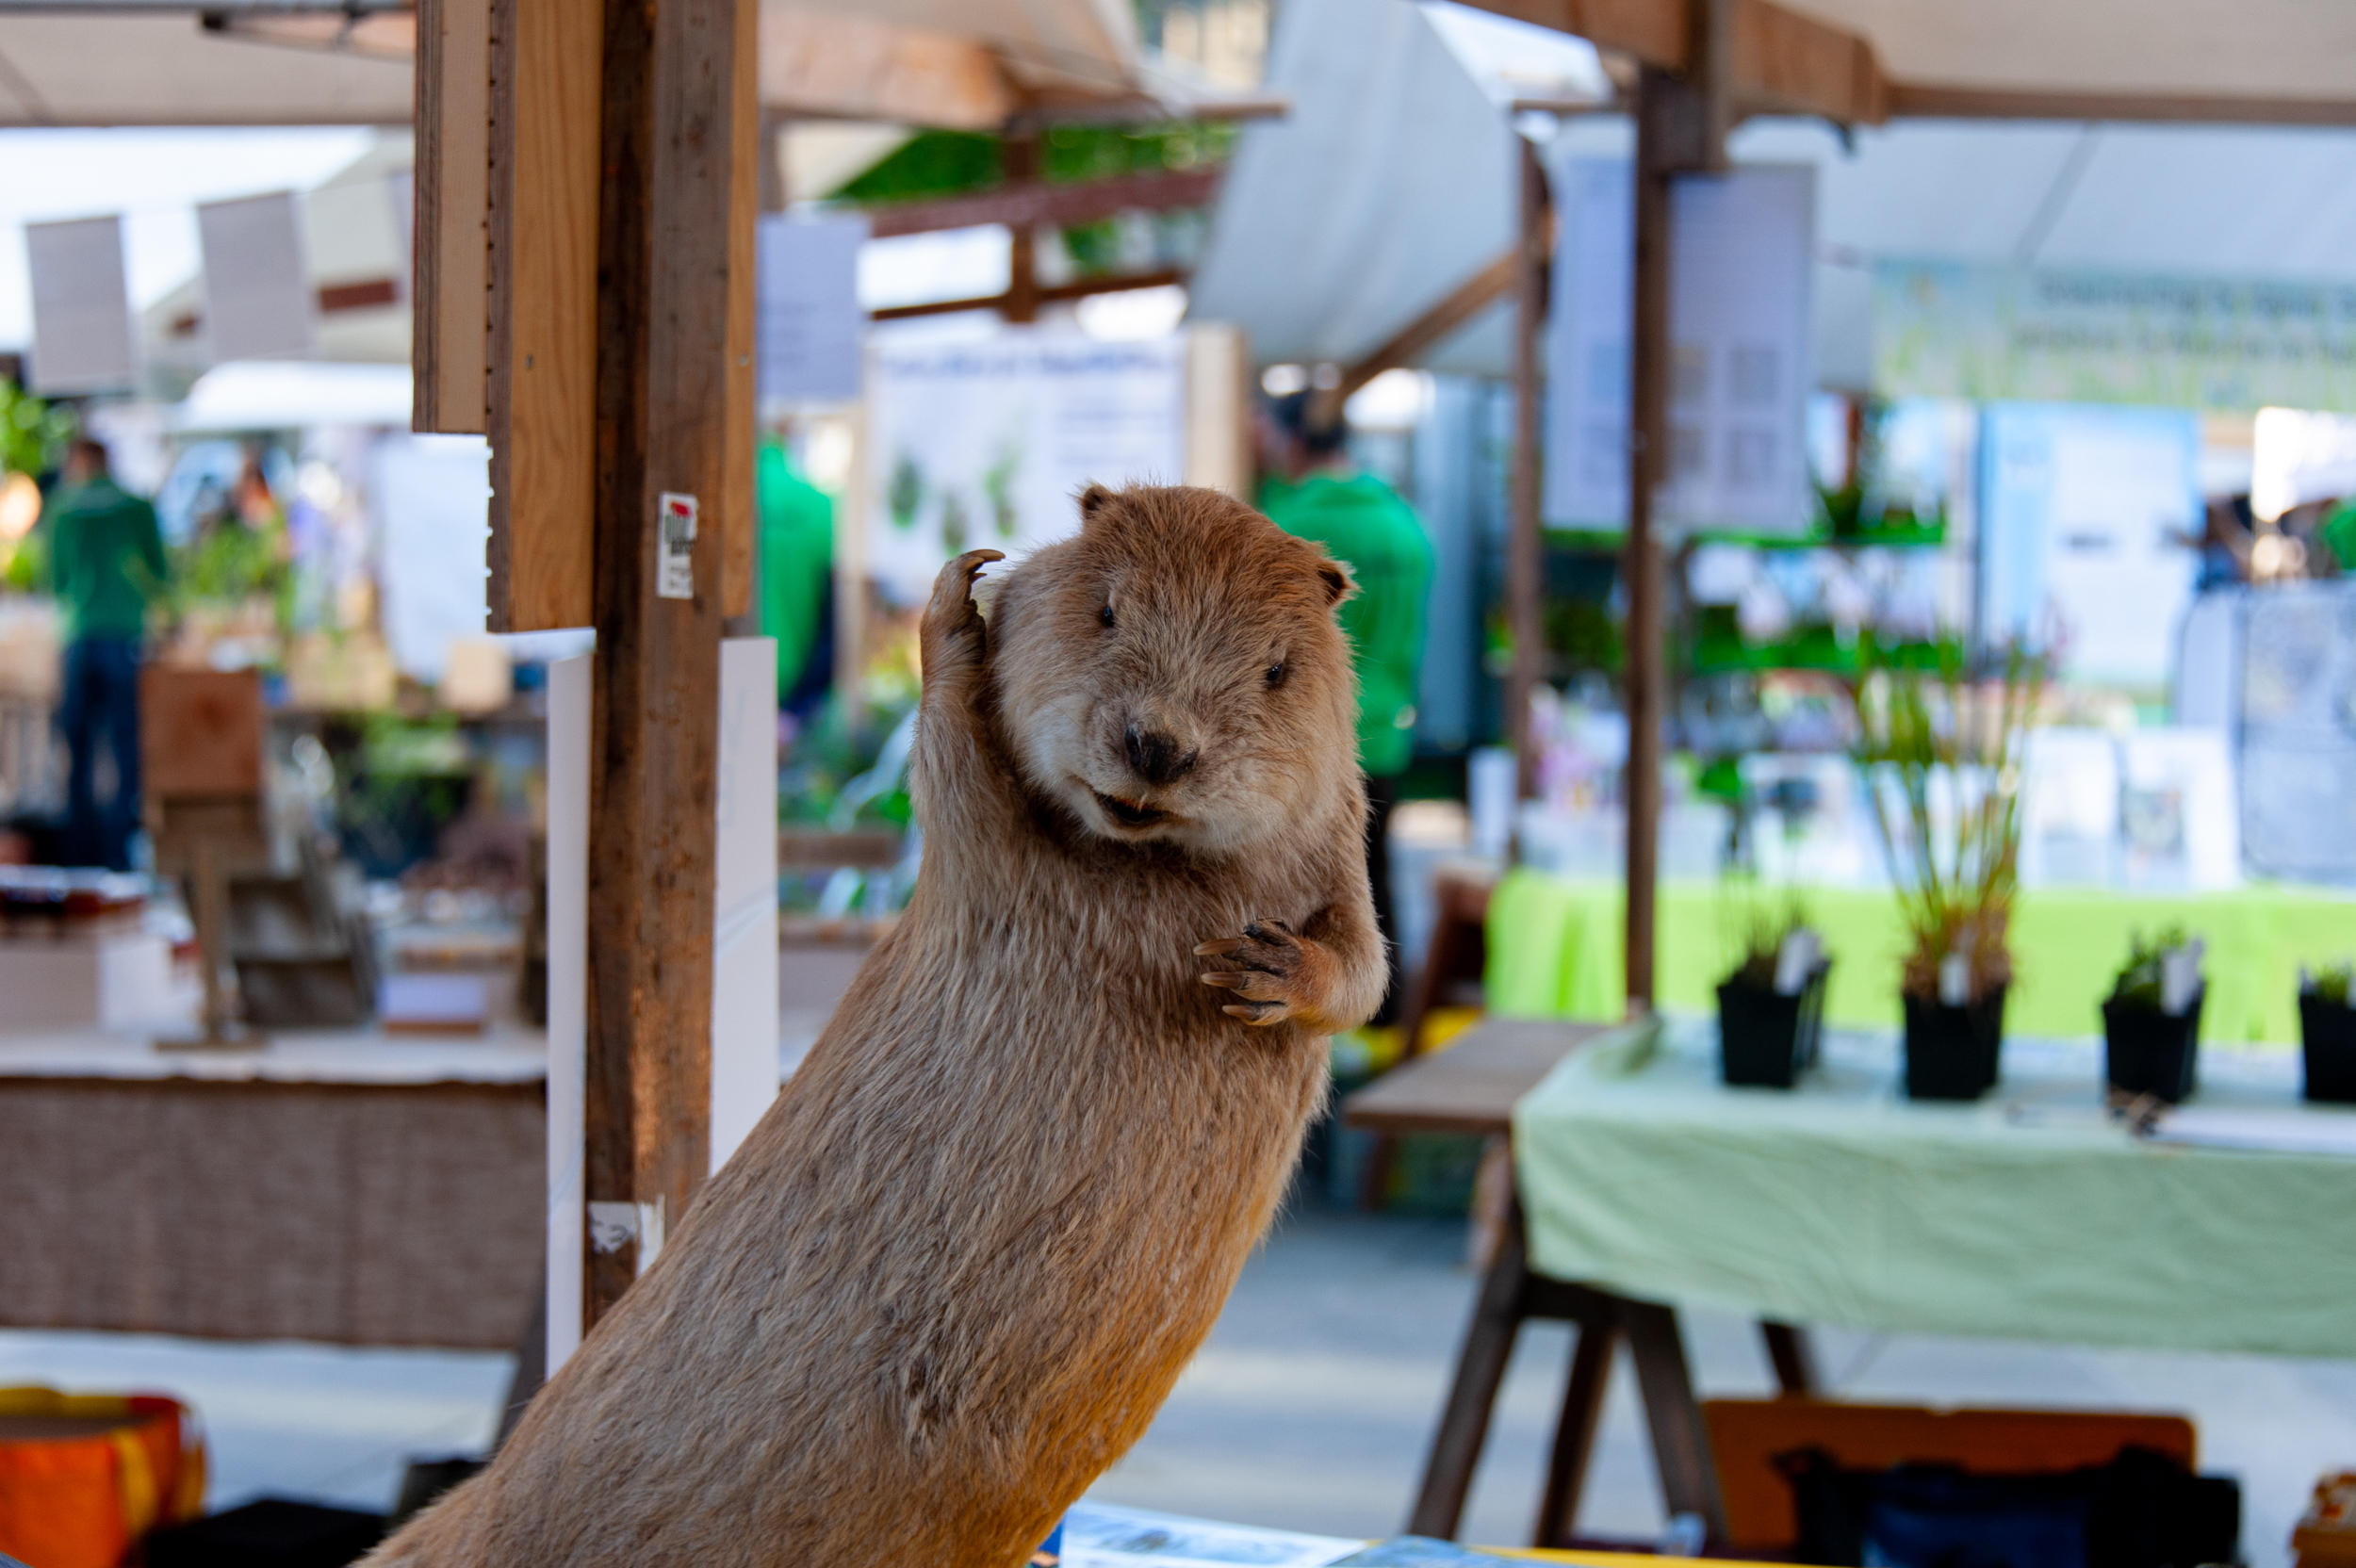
(1770, 1009)
(1939, 746)
(2151, 1019)
(2327, 1031)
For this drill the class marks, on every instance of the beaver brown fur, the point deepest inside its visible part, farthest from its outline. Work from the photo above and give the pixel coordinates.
(954, 1270)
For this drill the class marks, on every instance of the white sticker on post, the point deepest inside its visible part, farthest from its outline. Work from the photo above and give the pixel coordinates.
(675, 546)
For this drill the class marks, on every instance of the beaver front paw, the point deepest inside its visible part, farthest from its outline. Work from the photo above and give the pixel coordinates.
(1279, 975)
(952, 622)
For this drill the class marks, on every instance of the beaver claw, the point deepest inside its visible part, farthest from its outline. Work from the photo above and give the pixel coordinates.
(1277, 974)
(951, 618)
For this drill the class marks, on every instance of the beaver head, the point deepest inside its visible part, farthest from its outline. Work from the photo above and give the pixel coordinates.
(1174, 672)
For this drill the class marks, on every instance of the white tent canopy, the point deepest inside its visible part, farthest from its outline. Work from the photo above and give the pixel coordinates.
(2277, 51)
(161, 67)
(969, 63)
(1337, 228)
(1389, 182)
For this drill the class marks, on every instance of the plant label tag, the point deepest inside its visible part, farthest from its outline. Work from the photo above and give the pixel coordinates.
(1954, 980)
(1794, 961)
(675, 546)
(2180, 979)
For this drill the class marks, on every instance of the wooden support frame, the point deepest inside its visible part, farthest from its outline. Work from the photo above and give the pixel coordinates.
(545, 184)
(1526, 585)
(667, 401)
(451, 260)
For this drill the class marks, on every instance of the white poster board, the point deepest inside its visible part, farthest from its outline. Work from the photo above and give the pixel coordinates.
(258, 298)
(2084, 513)
(81, 306)
(1742, 271)
(431, 498)
(812, 325)
(744, 895)
(568, 999)
(744, 944)
(988, 444)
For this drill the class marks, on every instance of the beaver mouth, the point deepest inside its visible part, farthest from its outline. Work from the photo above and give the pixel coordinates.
(1130, 813)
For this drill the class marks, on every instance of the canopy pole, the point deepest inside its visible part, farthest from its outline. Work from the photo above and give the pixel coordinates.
(1680, 128)
(1526, 554)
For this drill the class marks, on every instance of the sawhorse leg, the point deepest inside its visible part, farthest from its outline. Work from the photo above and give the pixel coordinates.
(1510, 1295)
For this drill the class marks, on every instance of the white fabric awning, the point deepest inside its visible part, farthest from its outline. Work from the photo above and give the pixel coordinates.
(2260, 51)
(163, 68)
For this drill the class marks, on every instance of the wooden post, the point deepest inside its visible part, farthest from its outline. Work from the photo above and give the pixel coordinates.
(1022, 168)
(666, 402)
(1526, 551)
(1673, 135)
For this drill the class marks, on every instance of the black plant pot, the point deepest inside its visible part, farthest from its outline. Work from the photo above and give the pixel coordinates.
(2327, 1032)
(2148, 1052)
(1952, 1051)
(1765, 1038)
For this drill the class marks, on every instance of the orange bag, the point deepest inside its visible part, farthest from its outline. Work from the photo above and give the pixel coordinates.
(83, 1477)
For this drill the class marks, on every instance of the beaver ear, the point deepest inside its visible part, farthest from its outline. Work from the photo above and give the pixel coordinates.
(1336, 578)
(1093, 500)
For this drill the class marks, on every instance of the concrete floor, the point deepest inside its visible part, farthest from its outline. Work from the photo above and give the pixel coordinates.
(1309, 1409)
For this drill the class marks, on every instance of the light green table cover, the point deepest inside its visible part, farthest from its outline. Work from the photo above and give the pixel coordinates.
(1555, 950)
(2028, 1216)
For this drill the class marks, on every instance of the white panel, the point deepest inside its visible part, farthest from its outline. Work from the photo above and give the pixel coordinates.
(258, 298)
(568, 996)
(744, 895)
(81, 306)
(810, 322)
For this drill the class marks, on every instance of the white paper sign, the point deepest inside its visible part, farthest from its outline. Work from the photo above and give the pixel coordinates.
(990, 444)
(810, 322)
(1740, 307)
(675, 546)
(259, 302)
(81, 306)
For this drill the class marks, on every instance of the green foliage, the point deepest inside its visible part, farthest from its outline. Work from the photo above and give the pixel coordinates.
(1947, 743)
(33, 432)
(2138, 980)
(2333, 983)
(934, 164)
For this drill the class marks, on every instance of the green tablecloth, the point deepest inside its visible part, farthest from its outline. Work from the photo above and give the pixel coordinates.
(1555, 952)
(2029, 1216)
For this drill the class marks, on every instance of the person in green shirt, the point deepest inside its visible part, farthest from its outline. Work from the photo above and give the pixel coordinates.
(1313, 490)
(105, 566)
(796, 581)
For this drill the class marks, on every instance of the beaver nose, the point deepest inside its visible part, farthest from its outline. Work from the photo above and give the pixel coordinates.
(1156, 757)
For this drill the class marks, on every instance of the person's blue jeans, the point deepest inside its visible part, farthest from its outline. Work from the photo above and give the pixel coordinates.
(101, 704)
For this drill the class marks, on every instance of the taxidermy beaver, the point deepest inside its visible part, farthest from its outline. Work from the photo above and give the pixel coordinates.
(953, 1273)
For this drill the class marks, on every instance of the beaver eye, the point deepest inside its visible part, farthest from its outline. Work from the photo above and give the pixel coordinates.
(1105, 614)
(1276, 674)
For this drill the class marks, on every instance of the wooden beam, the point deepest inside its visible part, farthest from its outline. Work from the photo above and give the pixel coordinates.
(1778, 59)
(1937, 101)
(739, 527)
(1651, 31)
(1029, 205)
(1781, 61)
(544, 186)
(1525, 549)
(1060, 293)
(1020, 152)
(828, 63)
(1427, 332)
(665, 402)
(450, 257)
